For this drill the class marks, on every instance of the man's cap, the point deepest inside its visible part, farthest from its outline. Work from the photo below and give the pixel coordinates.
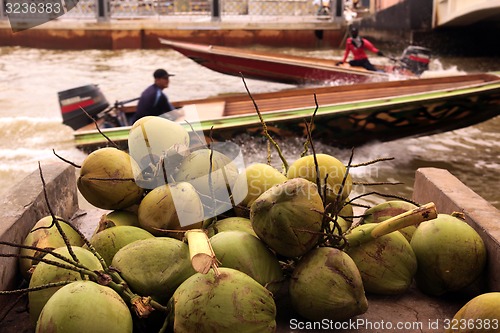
(161, 73)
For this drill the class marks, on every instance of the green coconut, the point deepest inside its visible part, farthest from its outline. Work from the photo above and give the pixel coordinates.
(155, 266)
(255, 180)
(109, 241)
(326, 284)
(45, 238)
(213, 183)
(229, 301)
(171, 207)
(158, 145)
(388, 209)
(347, 213)
(450, 254)
(479, 315)
(116, 218)
(387, 264)
(239, 250)
(231, 224)
(328, 166)
(343, 219)
(107, 179)
(47, 273)
(288, 217)
(85, 307)
(342, 223)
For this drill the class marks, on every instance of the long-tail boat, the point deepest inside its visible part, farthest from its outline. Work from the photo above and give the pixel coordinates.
(348, 115)
(293, 69)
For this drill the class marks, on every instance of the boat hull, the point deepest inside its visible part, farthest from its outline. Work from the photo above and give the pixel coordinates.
(273, 67)
(348, 124)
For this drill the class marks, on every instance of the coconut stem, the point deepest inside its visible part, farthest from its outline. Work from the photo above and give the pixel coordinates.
(412, 217)
(415, 216)
(264, 126)
(55, 220)
(310, 127)
(98, 129)
(87, 243)
(72, 265)
(27, 290)
(200, 250)
(141, 305)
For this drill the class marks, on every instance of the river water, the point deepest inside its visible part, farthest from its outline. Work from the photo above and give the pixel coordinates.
(31, 127)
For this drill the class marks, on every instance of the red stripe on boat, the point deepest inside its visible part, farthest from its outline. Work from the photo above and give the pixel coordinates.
(74, 106)
(424, 60)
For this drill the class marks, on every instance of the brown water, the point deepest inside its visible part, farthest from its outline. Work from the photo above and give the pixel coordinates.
(31, 128)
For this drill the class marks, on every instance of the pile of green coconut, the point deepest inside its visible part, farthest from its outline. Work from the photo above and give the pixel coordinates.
(194, 241)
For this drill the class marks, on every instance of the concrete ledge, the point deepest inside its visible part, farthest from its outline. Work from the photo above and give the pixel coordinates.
(451, 195)
(23, 207)
(144, 34)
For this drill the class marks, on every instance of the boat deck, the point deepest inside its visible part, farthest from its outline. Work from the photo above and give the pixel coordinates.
(326, 97)
(345, 94)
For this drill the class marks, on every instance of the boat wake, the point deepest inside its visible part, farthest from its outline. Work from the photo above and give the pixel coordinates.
(27, 141)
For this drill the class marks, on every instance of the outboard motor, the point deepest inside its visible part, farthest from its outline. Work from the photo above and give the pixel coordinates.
(72, 101)
(416, 59)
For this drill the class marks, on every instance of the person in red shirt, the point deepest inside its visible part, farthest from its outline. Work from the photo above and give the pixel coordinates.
(357, 45)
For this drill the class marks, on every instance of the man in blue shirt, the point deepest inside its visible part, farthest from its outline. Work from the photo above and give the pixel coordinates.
(153, 102)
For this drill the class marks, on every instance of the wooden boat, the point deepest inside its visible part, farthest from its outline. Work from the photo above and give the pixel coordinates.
(278, 67)
(349, 115)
